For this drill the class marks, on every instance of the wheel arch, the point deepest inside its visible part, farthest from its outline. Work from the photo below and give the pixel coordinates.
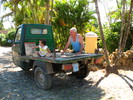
(45, 65)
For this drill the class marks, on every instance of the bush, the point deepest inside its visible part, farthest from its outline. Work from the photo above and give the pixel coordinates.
(112, 37)
(4, 38)
(116, 27)
(11, 35)
(112, 40)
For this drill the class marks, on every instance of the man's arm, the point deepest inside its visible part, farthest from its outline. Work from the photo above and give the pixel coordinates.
(80, 38)
(67, 45)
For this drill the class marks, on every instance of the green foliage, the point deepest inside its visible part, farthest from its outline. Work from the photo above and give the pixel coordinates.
(4, 38)
(1, 25)
(27, 11)
(11, 35)
(68, 14)
(115, 27)
(112, 37)
(112, 40)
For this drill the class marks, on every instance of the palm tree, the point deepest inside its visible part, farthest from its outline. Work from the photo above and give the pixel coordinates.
(28, 11)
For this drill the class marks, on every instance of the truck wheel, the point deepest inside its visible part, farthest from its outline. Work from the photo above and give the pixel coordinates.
(82, 73)
(42, 79)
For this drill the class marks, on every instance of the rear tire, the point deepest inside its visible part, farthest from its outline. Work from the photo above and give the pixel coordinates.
(42, 79)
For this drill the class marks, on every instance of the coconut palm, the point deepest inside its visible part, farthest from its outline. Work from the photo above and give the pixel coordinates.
(28, 11)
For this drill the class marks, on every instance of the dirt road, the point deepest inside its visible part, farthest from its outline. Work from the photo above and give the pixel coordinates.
(17, 85)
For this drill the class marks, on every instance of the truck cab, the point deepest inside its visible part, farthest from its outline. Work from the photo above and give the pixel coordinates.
(30, 33)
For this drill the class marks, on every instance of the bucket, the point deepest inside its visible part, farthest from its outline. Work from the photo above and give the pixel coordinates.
(28, 48)
(90, 42)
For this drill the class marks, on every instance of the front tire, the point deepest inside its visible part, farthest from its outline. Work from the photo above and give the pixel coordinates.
(42, 79)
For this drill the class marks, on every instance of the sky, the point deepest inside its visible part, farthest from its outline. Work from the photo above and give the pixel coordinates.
(110, 3)
(104, 5)
(7, 21)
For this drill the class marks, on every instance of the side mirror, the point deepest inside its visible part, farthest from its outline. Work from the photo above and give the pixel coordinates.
(10, 41)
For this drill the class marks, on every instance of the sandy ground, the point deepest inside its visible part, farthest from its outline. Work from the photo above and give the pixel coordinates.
(17, 85)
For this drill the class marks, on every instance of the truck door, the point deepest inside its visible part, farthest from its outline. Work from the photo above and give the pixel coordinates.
(16, 48)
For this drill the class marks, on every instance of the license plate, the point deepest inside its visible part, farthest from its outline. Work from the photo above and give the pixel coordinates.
(75, 67)
(67, 67)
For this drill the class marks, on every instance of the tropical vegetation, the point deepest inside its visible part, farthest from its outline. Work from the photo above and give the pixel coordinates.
(64, 14)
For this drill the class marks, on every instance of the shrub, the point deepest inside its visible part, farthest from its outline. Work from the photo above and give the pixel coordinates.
(4, 38)
(112, 37)
(112, 40)
(11, 35)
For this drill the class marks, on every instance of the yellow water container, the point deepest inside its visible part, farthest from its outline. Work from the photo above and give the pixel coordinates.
(90, 42)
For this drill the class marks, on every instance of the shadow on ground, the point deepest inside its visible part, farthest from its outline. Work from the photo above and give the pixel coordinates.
(127, 79)
(20, 85)
(6, 58)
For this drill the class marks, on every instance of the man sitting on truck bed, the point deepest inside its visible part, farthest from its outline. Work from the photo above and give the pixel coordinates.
(76, 41)
(43, 48)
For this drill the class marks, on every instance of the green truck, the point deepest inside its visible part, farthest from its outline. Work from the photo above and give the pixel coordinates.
(45, 67)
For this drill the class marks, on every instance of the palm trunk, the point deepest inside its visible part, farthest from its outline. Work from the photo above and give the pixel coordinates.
(108, 69)
(47, 13)
(50, 22)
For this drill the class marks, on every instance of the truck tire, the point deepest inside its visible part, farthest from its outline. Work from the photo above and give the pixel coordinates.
(82, 73)
(42, 79)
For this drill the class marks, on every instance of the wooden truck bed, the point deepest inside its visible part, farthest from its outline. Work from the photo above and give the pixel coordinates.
(66, 58)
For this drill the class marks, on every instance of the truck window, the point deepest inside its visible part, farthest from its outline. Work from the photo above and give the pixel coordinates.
(17, 39)
(38, 31)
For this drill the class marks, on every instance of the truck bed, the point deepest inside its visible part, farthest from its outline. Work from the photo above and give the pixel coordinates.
(66, 58)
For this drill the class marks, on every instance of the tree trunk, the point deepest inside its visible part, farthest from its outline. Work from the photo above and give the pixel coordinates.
(108, 69)
(131, 35)
(47, 12)
(50, 22)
